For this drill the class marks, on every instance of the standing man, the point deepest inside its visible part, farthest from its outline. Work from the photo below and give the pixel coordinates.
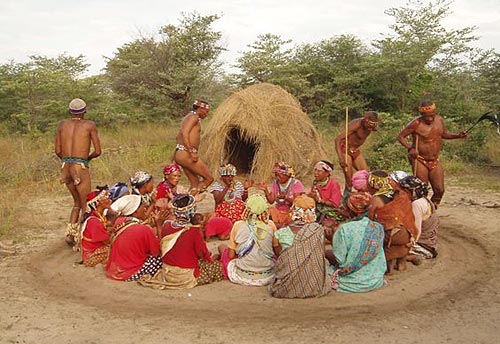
(72, 146)
(186, 150)
(427, 133)
(358, 131)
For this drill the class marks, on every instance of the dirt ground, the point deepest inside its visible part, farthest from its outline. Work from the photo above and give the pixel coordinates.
(47, 298)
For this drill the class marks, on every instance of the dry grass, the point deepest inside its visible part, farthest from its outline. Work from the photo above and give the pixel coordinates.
(29, 168)
(268, 119)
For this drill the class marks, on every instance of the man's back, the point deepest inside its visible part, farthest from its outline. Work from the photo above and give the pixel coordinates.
(75, 136)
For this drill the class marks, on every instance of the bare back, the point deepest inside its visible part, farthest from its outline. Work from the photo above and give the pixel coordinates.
(74, 138)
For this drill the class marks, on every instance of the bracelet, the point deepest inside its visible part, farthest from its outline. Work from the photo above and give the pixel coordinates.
(193, 150)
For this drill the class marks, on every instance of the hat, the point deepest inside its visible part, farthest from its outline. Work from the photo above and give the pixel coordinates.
(77, 106)
(127, 204)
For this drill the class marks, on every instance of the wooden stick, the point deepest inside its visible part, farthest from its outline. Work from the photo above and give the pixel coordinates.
(346, 135)
(416, 159)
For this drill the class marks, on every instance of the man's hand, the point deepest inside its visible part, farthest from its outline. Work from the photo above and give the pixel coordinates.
(462, 134)
(343, 164)
(412, 153)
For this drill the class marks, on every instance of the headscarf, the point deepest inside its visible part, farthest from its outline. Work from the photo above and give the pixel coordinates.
(303, 210)
(381, 184)
(360, 179)
(201, 104)
(227, 170)
(358, 202)
(127, 204)
(184, 207)
(256, 209)
(94, 198)
(140, 178)
(117, 190)
(282, 167)
(397, 176)
(415, 185)
(323, 165)
(428, 108)
(171, 169)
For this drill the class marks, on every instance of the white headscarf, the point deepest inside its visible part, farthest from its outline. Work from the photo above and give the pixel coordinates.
(126, 205)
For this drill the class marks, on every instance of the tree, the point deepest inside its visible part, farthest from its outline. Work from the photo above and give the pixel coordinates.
(155, 72)
(406, 64)
(35, 94)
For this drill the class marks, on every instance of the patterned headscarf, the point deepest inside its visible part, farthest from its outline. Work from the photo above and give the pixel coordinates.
(184, 206)
(323, 165)
(171, 169)
(256, 208)
(360, 179)
(303, 210)
(397, 176)
(140, 178)
(94, 198)
(117, 190)
(359, 201)
(227, 170)
(381, 184)
(415, 185)
(282, 167)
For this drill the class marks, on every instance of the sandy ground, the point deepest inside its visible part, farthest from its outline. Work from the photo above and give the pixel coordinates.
(47, 298)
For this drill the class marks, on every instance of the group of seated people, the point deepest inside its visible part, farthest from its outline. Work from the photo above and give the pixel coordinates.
(300, 243)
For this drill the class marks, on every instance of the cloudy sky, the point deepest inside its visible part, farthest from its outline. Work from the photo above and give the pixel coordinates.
(96, 28)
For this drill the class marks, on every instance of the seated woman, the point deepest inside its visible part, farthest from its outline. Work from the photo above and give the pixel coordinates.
(169, 187)
(186, 259)
(229, 195)
(135, 250)
(301, 265)
(142, 185)
(94, 235)
(284, 189)
(357, 256)
(249, 259)
(393, 210)
(326, 192)
(426, 218)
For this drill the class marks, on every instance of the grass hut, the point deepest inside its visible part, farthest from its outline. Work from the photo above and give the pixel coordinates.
(258, 126)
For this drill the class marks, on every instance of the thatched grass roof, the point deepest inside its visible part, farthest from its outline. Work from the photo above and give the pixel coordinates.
(258, 126)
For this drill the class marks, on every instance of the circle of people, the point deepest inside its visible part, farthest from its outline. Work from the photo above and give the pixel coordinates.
(277, 235)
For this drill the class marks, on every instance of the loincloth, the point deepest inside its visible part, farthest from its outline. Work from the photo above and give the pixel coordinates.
(429, 164)
(353, 152)
(73, 170)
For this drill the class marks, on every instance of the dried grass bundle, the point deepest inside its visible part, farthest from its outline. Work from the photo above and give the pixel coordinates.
(258, 126)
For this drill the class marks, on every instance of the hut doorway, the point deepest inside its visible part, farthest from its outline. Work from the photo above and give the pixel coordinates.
(240, 151)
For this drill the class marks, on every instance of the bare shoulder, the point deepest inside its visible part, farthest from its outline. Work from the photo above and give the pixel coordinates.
(414, 123)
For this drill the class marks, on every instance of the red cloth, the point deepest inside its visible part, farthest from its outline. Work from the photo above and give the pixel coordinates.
(218, 226)
(94, 236)
(330, 192)
(162, 190)
(232, 211)
(130, 250)
(187, 250)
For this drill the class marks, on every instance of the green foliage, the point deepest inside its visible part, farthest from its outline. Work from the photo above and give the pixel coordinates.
(157, 73)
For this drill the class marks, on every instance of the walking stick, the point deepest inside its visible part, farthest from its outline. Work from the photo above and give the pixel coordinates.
(346, 135)
(416, 159)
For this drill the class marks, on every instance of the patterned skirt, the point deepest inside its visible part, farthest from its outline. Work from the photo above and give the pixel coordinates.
(150, 267)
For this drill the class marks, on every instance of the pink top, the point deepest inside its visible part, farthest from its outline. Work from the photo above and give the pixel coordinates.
(294, 189)
(330, 192)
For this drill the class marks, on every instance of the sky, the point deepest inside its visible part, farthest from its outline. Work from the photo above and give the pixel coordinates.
(97, 28)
